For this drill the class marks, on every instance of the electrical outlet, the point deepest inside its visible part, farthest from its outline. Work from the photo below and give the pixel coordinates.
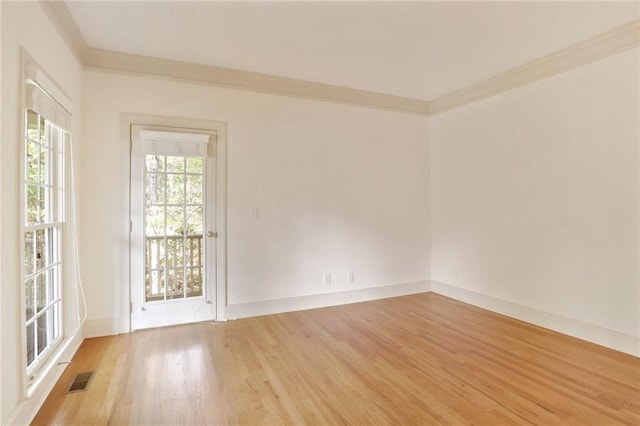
(351, 278)
(327, 279)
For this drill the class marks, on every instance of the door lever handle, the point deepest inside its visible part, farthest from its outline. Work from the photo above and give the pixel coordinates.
(212, 234)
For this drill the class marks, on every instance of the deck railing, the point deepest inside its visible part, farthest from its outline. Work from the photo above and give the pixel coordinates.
(176, 263)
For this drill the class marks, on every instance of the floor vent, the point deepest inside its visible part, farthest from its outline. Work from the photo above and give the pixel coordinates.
(81, 382)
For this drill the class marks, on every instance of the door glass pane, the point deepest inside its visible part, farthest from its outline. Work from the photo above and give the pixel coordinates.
(194, 189)
(155, 264)
(155, 163)
(174, 284)
(175, 220)
(194, 282)
(154, 285)
(154, 221)
(175, 256)
(175, 164)
(174, 207)
(175, 189)
(195, 165)
(155, 190)
(194, 221)
(194, 258)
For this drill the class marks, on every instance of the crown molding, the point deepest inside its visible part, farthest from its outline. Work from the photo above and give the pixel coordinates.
(604, 45)
(123, 62)
(607, 44)
(63, 21)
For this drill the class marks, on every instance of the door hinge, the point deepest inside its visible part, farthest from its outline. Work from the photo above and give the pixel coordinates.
(130, 307)
(130, 226)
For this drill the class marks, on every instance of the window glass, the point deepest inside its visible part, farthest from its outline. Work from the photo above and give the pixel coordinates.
(42, 260)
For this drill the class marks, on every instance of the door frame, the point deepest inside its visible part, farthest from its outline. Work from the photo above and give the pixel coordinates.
(220, 127)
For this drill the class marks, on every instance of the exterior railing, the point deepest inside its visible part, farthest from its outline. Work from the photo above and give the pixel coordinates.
(176, 262)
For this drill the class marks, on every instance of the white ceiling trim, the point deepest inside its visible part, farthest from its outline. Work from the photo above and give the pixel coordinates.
(224, 77)
(596, 48)
(618, 40)
(61, 17)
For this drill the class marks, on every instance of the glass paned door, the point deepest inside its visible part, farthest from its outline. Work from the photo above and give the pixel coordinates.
(172, 258)
(174, 221)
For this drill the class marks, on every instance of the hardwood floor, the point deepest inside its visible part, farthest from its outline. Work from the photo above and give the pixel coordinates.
(422, 359)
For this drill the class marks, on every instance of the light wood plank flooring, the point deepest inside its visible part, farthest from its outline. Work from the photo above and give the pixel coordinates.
(422, 359)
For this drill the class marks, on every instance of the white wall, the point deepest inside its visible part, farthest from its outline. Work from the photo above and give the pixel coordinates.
(535, 195)
(24, 24)
(338, 189)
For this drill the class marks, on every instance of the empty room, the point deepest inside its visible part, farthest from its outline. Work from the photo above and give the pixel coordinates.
(325, 213)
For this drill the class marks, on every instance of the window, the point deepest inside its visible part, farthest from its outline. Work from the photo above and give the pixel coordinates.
(43, 220)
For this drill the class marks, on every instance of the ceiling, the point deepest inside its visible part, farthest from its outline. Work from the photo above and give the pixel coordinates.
(419, 50)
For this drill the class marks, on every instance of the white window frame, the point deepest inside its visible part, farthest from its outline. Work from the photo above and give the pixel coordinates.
(43, 96)
(50, 226)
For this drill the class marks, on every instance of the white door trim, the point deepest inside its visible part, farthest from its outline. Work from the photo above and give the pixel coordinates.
(220, 127)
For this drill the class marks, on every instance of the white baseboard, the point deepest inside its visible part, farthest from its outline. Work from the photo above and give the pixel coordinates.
(592, 333)
(102, 327)
(112, 326)
(267, 307)
(27, 408)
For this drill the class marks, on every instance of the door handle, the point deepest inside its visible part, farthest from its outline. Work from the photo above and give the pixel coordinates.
(212, 234)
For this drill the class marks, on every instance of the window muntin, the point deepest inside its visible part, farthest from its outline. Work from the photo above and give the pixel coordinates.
(43, 217)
